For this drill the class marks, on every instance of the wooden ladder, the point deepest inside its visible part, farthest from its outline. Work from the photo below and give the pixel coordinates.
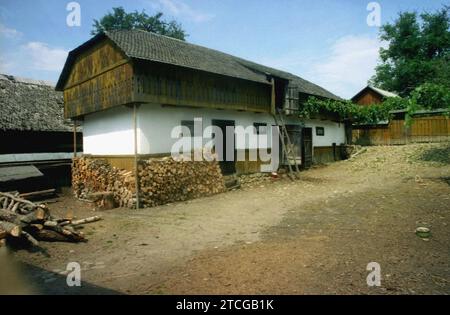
(287, 147)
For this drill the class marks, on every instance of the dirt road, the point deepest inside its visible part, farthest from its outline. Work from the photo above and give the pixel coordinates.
(312, 236)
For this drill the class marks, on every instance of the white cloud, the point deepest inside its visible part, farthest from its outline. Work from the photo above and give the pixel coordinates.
(343, 69)
(9, 32)
(181, 9)
(44, 57)
(349, 65)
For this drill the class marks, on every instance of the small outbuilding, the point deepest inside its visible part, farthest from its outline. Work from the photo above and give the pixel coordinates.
(37, 143)
(371, 95)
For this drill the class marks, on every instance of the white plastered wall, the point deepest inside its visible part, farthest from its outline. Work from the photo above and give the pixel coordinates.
(110, 132)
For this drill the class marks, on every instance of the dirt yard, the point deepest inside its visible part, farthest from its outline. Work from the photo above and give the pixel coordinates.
(312, 236)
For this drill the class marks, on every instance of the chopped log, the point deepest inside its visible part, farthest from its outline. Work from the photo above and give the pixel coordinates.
(23, 220)
(37, 193)
(37, 215)
(31, 221)
(11, 205)
(11, 228)
(30, 238)
(8, 216)
(72, 235)
(50, 223)
(85, 220)
(15, 198)
(51, 236)
(16, 206)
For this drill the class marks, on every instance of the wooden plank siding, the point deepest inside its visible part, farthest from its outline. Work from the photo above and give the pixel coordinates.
(422, 129)
(171, 85)
(112, 88)
(103, 77)
(369, 97)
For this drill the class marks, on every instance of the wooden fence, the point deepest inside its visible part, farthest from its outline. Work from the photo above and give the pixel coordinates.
(422, 129)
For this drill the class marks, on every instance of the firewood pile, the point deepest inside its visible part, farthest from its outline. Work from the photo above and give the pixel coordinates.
(161, 180)
(91, 175)
(22, 219)
(167, 180)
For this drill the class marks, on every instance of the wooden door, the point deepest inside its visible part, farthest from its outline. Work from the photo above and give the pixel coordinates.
(227, 167)
(307, 148)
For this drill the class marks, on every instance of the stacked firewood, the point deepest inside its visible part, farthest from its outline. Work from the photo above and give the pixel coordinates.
(167, 180)
(23, 219)
(161, 180)
(90, 175)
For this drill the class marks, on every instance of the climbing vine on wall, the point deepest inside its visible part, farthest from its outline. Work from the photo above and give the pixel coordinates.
(426, 96)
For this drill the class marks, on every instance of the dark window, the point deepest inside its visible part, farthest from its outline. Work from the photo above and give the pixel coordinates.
(190, 125)
(261, 128)
(320, 131)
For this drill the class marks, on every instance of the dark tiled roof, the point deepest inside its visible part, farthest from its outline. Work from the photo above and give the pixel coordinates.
(158, 48)
(30, 105)
(149, 46)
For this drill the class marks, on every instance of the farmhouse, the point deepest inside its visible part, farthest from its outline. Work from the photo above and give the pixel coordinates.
(124, 81)
(371, 95)
(36, 141)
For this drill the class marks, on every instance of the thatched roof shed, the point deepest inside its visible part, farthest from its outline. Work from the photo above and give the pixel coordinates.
(30, 105)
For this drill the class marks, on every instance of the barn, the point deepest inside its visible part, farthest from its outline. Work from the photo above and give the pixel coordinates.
(124, 81)
(36, 141)
(371, 95)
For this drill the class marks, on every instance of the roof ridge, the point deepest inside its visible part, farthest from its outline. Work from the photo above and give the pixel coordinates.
(24, 80)
(206, 48)
(150, 46)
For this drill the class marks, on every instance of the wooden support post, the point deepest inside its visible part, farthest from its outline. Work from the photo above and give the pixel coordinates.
(74, 138)
(136, 172)
(272, 97)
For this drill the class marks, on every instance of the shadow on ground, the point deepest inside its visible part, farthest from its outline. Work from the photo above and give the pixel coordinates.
(50, 283)
(438, 154)
(23, 278)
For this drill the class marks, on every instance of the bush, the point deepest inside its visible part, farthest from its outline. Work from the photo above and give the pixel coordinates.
(431, 96)
(426, 96)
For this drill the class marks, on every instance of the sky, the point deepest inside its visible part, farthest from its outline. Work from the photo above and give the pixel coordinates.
(327, 42)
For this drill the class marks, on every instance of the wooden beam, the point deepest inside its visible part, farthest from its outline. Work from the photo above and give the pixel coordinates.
(136, 172)
(272, 98)
(74, 138)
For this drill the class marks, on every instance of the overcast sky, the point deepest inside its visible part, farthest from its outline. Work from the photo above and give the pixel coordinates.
(324, 41)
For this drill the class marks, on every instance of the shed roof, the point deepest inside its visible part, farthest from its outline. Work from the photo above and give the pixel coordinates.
(10, 173)
(144, 45)
(33, 105)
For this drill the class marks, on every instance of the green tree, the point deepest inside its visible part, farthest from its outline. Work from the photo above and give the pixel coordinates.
(118, 19)
(418, 51)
